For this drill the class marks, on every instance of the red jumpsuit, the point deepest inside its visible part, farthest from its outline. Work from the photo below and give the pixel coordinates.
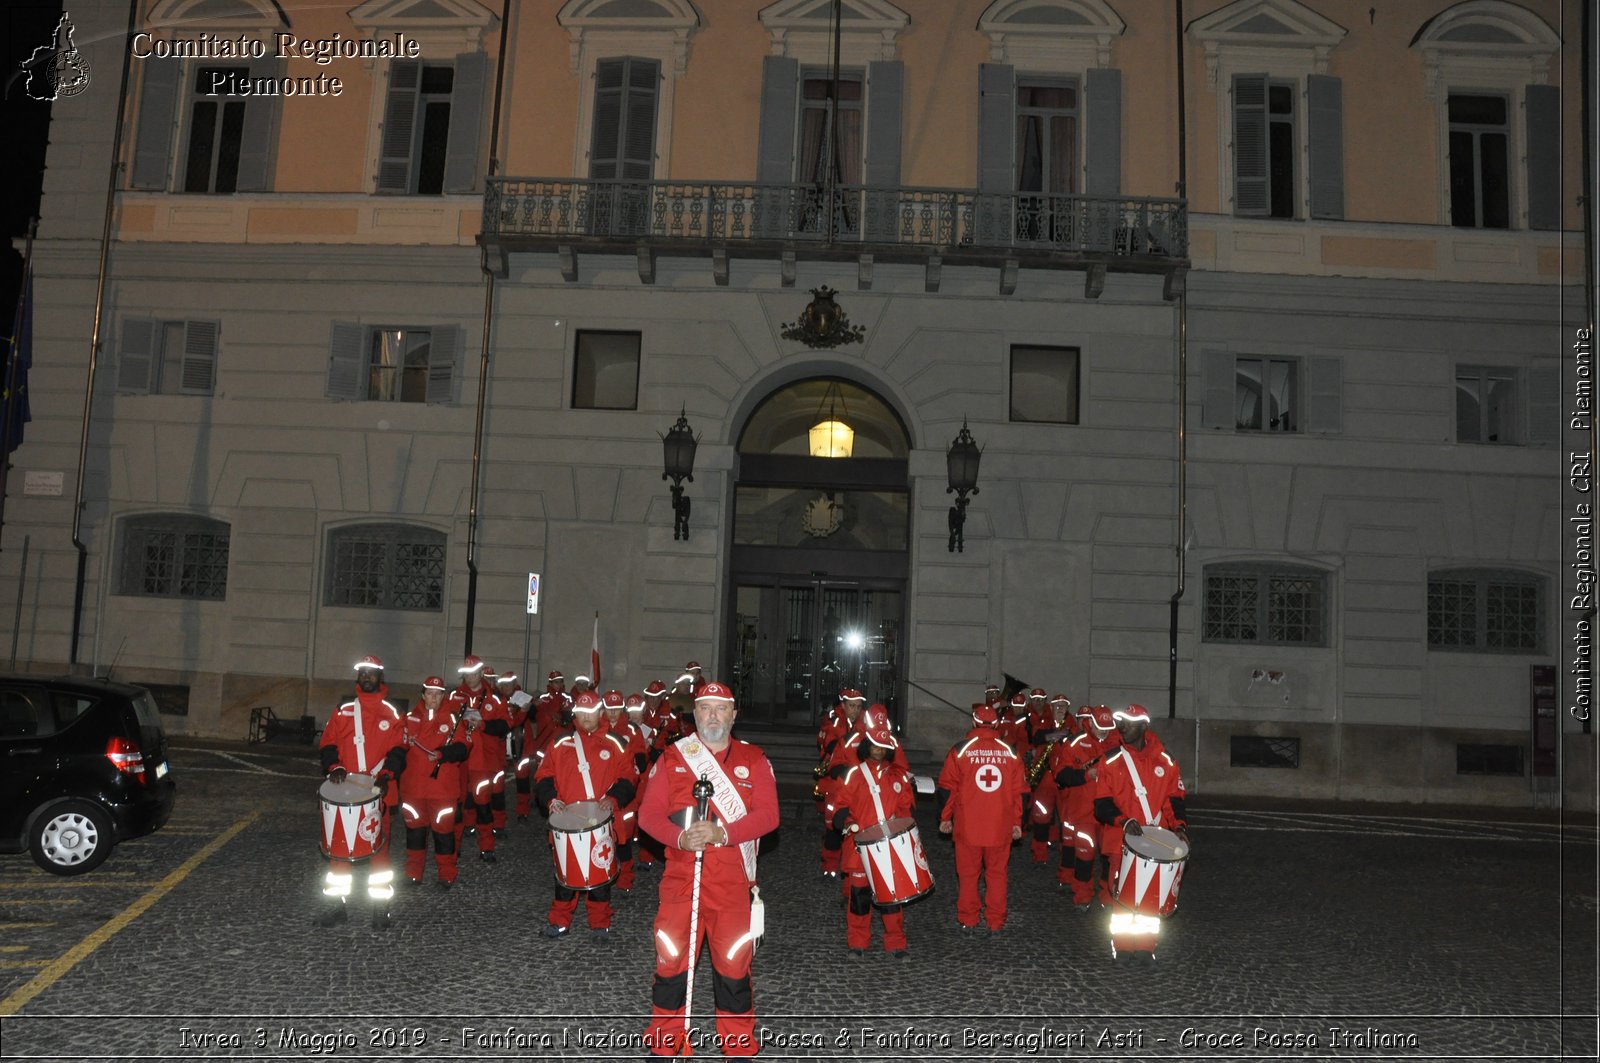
(1087, 835)
(1117, 800)
(627, 824)
(724, 915)
(983, 779)
(431, 790)
(611, 774)
(539, 725)
(484, 785)
(1039, 723)
(365, 737)
(870, 793)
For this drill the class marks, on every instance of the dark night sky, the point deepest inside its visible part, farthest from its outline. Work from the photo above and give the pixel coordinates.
(27, 24)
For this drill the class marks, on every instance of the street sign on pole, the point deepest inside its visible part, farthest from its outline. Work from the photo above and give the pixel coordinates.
(533, 593)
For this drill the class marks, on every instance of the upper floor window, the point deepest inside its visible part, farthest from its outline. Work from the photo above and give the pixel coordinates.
(1485, 611)
(392, 363)
(1265, 604)
(199, 127)
(1282, 125)
(1264, 393)
(431, 118)
(606, 371)
(158, 357)
(830, 141)
(1486, 67)
(385, 566)
(1480, 190)
(173, 555)
(1044, 384)
(1487, 406)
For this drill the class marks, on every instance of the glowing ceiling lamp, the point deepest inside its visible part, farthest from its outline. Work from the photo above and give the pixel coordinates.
(831, 437)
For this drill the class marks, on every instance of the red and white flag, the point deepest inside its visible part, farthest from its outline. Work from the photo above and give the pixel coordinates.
(594, 653)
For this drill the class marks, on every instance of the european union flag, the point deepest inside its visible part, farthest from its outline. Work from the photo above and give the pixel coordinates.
(19, 360)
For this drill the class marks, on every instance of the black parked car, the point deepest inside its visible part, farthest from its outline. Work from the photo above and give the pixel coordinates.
(83, 766)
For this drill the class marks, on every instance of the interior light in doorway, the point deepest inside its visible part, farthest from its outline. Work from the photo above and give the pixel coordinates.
(831, 436)
(962, 460)
(678, 447)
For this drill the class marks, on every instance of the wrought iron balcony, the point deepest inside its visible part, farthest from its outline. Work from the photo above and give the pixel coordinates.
(745, 219)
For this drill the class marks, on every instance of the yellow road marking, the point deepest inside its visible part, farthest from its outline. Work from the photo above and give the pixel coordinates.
(60, 966)
(70, 884)
(14, 965)
(13, 948)
(22, 926)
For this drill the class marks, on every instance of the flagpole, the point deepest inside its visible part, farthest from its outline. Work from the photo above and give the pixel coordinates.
(23, 308)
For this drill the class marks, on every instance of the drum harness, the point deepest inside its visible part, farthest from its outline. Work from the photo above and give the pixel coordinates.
(877, 801)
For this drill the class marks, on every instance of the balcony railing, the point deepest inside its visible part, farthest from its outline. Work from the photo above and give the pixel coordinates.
(1137, 232)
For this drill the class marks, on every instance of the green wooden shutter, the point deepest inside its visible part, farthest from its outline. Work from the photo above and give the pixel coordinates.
(466, 122)
(780, 90)
(885, 101)
(638, 140)
(997, 106)
(1324, 395)
(1542, 105)
(199, 373)
(347, 361)
(443, 351)
(1219, 384)
(1544, 406)
(1104, 134)
(136, 356)
(158, 112)
(1250, 144)
(605, 150)
(1325, 144)
(259, 135)
(399, 126)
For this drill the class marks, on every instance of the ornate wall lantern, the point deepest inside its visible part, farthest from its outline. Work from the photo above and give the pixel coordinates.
(823, 324)
(678, 447)
(962, 462)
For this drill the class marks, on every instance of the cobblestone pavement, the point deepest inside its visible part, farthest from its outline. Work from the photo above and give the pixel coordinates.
(1329, 934)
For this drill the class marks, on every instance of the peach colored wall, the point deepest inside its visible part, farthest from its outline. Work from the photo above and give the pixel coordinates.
(717, 111)
(323, 140)
(540, 113)
(941, 50)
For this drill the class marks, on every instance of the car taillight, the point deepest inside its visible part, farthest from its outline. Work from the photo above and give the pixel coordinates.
(126, 757)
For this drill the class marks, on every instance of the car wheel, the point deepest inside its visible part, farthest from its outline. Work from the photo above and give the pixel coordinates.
(71, 838)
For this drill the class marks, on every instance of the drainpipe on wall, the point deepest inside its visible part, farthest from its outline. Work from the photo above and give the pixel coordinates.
(1183, 404)
(488, 322)
(94, 339)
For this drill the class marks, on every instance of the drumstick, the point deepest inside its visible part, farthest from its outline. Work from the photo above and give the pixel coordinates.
(1150, 840)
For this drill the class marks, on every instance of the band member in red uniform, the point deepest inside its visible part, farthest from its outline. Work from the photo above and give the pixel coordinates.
(363, 736)
(837, 731)
(1139, 785)
(981, 805)
(655, 700)
(637, 709)
(1061, 708)
(616, 722)
(539, 728)
(488, 721)
(874, 790)
(711, 871)
(590, 764)
(1045, 828)
(431, 792)
(1077, 771)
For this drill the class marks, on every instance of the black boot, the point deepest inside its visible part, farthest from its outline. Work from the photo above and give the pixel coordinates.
(332, 914)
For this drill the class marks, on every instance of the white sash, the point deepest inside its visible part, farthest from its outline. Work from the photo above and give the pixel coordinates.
(360, 738)
(730, 806)
(872, 788)
(583, 766)
(1139, 791)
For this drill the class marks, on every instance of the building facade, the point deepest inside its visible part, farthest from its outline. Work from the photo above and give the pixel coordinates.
(1255, 307)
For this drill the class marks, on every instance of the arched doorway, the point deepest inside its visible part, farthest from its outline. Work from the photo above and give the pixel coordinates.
(820, 552)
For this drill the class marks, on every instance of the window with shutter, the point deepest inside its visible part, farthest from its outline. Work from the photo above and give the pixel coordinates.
(431, 124)
(622, 144)
(387, 363)
(1488, 409)
(168, 357)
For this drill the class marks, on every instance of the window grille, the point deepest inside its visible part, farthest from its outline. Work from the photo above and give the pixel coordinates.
(1485, 611)
(1268, 605)
(1260, 751)
(174, 556)
(1488, 759)
(386, 566)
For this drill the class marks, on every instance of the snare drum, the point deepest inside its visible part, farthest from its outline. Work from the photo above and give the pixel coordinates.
(1152, 867)
(896, 866)
(585, 846)
(354, 827)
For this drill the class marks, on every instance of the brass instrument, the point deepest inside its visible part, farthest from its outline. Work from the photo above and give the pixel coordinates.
(1042, 758)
